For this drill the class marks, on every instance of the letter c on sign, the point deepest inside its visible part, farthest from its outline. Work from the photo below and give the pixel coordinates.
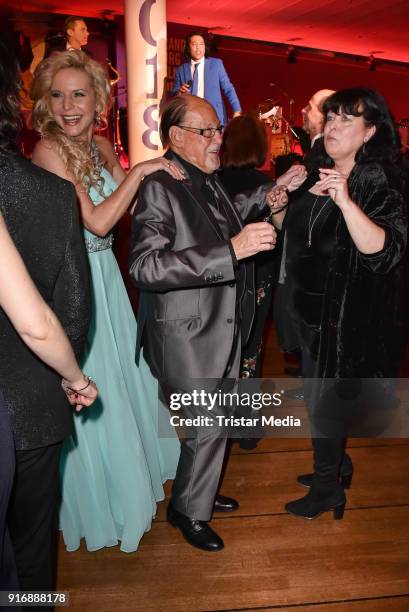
(144, 22)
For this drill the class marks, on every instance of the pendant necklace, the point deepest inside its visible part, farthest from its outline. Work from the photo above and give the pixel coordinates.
(311, 221)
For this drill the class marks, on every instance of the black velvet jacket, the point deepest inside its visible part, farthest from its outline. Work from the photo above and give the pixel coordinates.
(41, 213)
(364, 326)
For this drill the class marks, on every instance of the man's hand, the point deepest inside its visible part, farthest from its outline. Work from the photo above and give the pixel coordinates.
(293, 178)
(253, 239)
(185, 88)
(277, 198)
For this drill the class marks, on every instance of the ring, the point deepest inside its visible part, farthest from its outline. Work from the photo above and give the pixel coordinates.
(169, 164)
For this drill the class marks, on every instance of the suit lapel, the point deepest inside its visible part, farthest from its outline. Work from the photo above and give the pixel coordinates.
(188, 72)
(234, 215)
(199, 199)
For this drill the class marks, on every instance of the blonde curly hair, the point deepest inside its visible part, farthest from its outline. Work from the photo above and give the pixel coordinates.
(77, 156)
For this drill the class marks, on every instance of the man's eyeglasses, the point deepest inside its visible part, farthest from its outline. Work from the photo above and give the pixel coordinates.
(206, 132)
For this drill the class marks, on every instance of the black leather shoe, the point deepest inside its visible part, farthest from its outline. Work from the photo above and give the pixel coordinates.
(297, 394)
(248, 443)
(346, 472)
(197, 533)
(225, 504)
(312, 505)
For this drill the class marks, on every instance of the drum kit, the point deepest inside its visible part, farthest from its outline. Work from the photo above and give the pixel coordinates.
(281, 136)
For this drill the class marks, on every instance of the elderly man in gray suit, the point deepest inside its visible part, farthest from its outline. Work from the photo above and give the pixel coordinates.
(189, 256)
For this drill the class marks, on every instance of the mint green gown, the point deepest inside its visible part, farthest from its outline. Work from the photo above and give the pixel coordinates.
(115, 464)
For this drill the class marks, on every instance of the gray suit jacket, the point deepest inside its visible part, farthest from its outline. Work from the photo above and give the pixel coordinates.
(183, 265)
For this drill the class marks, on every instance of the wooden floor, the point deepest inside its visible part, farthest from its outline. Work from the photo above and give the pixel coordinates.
(271, 561)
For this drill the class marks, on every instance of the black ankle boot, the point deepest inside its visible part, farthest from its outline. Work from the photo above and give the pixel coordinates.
(346, 472)
(318, 501)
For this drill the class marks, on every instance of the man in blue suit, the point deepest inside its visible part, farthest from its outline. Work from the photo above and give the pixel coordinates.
(205, 77)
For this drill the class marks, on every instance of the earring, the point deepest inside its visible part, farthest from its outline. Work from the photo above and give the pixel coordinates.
(97, 120)
(363, 146)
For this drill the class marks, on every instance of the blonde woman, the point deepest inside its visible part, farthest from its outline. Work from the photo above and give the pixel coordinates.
(115, 465)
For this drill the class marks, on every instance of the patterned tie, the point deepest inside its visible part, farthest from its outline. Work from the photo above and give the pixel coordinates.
(195, 80)
(212, 192)
(217, 199)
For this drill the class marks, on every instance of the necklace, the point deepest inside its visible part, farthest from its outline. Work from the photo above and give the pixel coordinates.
(95, 157)
(311, 221)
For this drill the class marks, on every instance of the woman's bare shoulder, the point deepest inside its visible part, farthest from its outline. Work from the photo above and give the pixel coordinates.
(46, 156)
(45, 144)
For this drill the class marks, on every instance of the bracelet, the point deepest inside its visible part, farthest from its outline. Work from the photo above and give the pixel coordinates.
(69, 389)
(275, 212)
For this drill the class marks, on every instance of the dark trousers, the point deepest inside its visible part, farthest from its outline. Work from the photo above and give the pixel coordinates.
(202, 457)
(8, 572)
(33, 515)
(328, 452)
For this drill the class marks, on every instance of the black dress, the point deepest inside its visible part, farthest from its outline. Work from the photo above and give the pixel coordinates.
(41, 214)
(350, 311)
(310, 224)
(240, 180)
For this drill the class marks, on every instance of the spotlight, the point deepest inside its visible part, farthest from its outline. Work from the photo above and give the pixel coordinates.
(291, 55)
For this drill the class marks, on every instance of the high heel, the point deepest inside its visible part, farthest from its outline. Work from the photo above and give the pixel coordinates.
(316, 503)
(339, 512)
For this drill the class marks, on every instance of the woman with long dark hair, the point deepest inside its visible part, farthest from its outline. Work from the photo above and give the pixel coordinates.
(347, 232)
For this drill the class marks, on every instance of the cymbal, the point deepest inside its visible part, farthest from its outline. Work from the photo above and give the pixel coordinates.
(272, 113)
(266, 106)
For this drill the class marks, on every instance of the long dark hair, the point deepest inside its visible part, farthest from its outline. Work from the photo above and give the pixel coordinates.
(10, 117)
(384, 146)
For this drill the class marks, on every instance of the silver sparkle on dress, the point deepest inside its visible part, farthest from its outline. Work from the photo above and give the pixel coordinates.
(96, 243)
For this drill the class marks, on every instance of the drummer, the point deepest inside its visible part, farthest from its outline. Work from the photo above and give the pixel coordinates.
(313, 122)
